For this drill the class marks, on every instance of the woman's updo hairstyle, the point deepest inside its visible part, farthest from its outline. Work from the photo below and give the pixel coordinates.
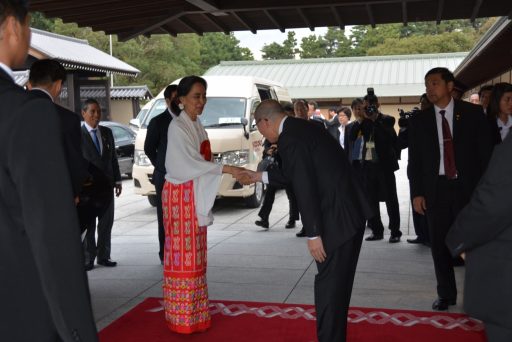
(188, 82)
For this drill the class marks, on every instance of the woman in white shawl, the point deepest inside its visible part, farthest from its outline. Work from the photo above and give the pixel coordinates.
(192, 182)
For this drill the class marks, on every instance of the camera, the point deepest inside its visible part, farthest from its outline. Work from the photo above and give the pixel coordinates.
(372, 100)
(405, 116)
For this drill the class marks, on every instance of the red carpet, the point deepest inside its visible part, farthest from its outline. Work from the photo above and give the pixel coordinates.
(269, 322)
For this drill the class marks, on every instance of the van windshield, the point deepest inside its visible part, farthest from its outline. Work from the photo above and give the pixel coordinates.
(158, 107)
(223, 111)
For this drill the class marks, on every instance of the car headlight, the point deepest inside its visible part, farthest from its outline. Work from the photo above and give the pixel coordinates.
(141, 159)
(234, 158)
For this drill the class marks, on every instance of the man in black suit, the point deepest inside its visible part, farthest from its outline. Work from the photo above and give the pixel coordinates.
(448, 153)
(377, 163)
(332, 204)
(155, 147)
(46, 79)
(97, 196)
(44, 292)
(483, 230)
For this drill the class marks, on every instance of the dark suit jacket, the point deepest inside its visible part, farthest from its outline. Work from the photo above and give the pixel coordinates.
(71, 140)
(44, 288)
(331, 202)
(332, 127)
(103, 169)
(384, 135)
(483, 230)
(155, 145)
(472, 147)
(495, 130)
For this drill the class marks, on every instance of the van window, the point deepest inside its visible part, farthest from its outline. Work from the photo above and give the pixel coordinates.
(223, 111)
(157, 108)
(253, 109)
(264, 92)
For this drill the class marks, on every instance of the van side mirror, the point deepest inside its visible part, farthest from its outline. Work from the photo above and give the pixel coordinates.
(244, 123)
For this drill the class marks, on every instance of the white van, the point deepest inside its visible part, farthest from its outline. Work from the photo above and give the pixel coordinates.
(229, 120)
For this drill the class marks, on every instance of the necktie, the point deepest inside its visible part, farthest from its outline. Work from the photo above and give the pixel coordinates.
(450, 170)
(96, 140)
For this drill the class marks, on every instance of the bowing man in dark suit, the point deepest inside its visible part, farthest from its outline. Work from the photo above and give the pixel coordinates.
(43, 289)
(331, 202)
(46, 79)
(97, 197)
(155, 147)
(483, 230)
(448, 153)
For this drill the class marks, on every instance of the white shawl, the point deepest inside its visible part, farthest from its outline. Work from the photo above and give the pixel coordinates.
(184, 162)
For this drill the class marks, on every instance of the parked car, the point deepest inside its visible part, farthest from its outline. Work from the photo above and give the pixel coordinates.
(124, 138)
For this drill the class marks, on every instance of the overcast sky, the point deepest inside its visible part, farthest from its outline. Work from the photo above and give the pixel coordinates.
(256, 41)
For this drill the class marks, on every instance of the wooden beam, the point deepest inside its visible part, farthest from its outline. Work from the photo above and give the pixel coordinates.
(476, 9)
(190, 25)
(215, 22)
(158, 23)
(244, 22)
(305, 19)
(337, 16)
(169, 30)
(440, 8)
(274, 20)
(205, 5)
(371, 19)
(404, 12)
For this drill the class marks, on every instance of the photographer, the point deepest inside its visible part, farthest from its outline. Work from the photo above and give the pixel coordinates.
(377, 164)
(270, 160)
(419, 221)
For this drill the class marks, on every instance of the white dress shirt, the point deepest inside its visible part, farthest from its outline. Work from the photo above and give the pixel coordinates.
(7, 70)
(342, 135)
(504, 127)
(439, 120)
(98, 134)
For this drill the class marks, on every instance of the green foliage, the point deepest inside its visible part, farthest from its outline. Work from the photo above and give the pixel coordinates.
(445, 42)
(216, 47)
(286, 50)
(390, 39)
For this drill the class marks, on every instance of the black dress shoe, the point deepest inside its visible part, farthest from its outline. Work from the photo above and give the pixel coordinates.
(441, 304)
(89, 266)
(262, 223)
(302, 233)
(290, 224)
(394, 239)
(415, 241)
(374, 237)
(107, 263)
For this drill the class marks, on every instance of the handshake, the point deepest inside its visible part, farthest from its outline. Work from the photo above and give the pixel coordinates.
(243, 176)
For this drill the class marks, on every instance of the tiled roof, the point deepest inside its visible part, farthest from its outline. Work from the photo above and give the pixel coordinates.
(77, 53)
(331, 78)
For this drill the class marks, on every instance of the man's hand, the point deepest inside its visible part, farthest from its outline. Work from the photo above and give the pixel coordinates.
(419, 204)
(247, 177)
(119, 189)
(316, 248)
(463, 256)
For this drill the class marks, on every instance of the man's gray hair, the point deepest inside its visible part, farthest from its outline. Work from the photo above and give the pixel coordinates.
(269, 109)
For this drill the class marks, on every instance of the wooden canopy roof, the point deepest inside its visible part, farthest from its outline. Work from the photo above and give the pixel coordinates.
(130, 18)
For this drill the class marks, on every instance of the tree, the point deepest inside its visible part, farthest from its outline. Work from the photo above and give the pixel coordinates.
(216, 47)
(287, 50)
(445, 42)
(314, 47)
